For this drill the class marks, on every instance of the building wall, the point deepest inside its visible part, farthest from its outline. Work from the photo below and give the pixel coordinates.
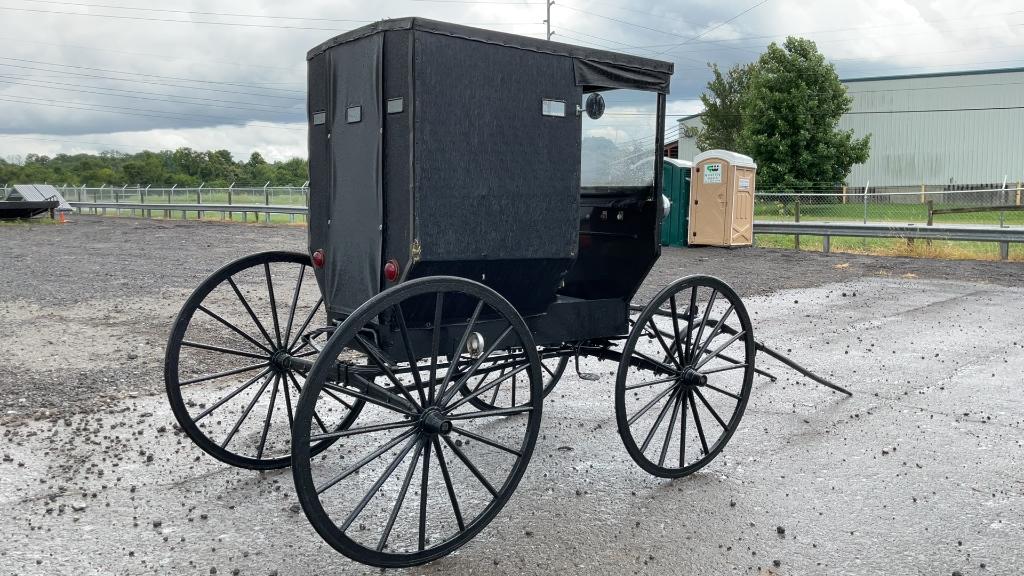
(944, 146)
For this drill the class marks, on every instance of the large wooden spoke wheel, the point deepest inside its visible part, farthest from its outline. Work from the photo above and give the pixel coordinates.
(685, 376)
(422, 469)
(228, 386)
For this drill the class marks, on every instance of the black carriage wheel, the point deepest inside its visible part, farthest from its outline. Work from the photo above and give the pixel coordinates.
(685, 376)
(227, 386)
(421, 471)
(504, 395)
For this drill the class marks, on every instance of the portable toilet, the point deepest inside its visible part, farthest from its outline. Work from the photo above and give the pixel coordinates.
(676, 184)
(722, 199)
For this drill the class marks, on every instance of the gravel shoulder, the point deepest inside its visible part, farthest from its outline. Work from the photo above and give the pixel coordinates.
(918, 472)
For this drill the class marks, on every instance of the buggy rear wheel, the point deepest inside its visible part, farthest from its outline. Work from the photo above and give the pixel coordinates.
(422, 470)
(685, 376)
(225, 379)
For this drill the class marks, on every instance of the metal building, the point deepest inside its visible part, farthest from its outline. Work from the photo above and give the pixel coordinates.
(960, 129)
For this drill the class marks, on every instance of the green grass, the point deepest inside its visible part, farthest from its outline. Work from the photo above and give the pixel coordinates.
(940, 249)
(854, 212)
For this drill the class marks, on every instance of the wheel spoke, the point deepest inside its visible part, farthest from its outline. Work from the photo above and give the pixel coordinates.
(448, 485)
(476, 366)
(213, 348)
(367, 398)
(360, 430)
(295, 303)
(435, 343)
(459, 348)
(305, 324)
(719, 350)
(424, 484)
(710, 409)
(648, 406)
(401, 497)
(377, 355)
(288, 405)
(234, 328)
(407, 342)
(233, 393)
(245, 414)
(661, 365)
(671, 427)
(682, 435)
(661, 340)
(490, 413)
(245, 304)
(696, 422)
(657, 422)
(332, 396)
(485, 440)
(319, 422)
(266, 421)
(675, 330)
(470, 466)
(718, 328)
(365, 460)
(719, 390)
(689, 320)
(704, 319)
(481, 389)
(380, 482)
(652, 383)
(273, 302)
(723, 368)
(223, 374)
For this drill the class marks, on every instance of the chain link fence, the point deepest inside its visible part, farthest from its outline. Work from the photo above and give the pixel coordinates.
(996, 206)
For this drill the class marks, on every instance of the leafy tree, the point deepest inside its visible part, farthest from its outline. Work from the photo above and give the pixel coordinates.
(791, 107)
(722, 117)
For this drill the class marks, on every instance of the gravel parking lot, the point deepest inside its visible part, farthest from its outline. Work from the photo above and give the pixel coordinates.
(918, 472)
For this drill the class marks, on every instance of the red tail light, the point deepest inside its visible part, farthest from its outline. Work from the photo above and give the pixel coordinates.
(391, 270)
(318, 258)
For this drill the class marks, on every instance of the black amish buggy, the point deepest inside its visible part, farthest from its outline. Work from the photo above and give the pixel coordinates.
(473, 228)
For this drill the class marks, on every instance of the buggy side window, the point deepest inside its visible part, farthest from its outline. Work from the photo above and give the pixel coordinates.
(618, 146)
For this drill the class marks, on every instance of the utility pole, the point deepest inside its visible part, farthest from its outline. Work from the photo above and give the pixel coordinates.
(547, 20)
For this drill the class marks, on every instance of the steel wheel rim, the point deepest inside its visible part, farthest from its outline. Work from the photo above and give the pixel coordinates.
(686, 399)
(274, 391)
(338, 530)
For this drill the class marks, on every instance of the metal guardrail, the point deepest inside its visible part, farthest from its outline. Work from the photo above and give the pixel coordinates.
(965, 233)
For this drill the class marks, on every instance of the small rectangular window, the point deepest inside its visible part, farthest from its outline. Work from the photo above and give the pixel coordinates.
(395, 105)
(319, 118)
(553, 108)
(353, 114)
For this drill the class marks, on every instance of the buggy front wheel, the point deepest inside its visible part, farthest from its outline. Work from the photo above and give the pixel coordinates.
(685, 376)
(422, 470)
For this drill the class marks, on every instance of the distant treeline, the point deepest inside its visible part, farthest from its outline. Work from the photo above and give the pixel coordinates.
(184, 167)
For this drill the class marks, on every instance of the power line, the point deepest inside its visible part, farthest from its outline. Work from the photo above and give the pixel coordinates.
(716, 27)
(133, 94)
(145, 112)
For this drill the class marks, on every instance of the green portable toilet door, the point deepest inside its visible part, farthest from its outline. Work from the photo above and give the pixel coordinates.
(677, 188)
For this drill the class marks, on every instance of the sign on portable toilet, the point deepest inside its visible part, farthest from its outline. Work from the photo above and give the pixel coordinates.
(722, 199)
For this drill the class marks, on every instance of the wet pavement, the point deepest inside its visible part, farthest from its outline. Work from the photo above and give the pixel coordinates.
(919, 472)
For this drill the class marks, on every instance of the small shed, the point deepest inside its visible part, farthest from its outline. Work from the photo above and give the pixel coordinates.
(676, 187)
(722, 199)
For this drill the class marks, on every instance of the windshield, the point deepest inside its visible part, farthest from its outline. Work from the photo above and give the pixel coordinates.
(618, 148)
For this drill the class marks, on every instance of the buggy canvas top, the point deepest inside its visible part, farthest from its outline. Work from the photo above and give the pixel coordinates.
(449, 150)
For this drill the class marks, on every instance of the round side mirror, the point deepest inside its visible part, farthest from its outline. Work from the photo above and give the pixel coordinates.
(595, 106)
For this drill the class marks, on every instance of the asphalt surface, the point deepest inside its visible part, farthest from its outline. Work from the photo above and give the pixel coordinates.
(918, 472)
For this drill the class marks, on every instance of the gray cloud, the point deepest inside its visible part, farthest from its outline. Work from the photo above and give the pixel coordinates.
(77, 74)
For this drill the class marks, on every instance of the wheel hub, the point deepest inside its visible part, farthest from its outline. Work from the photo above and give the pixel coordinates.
(433, 422)
(277, 360)
(693, 378)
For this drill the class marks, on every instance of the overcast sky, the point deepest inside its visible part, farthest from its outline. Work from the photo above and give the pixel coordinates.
(91, 75)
